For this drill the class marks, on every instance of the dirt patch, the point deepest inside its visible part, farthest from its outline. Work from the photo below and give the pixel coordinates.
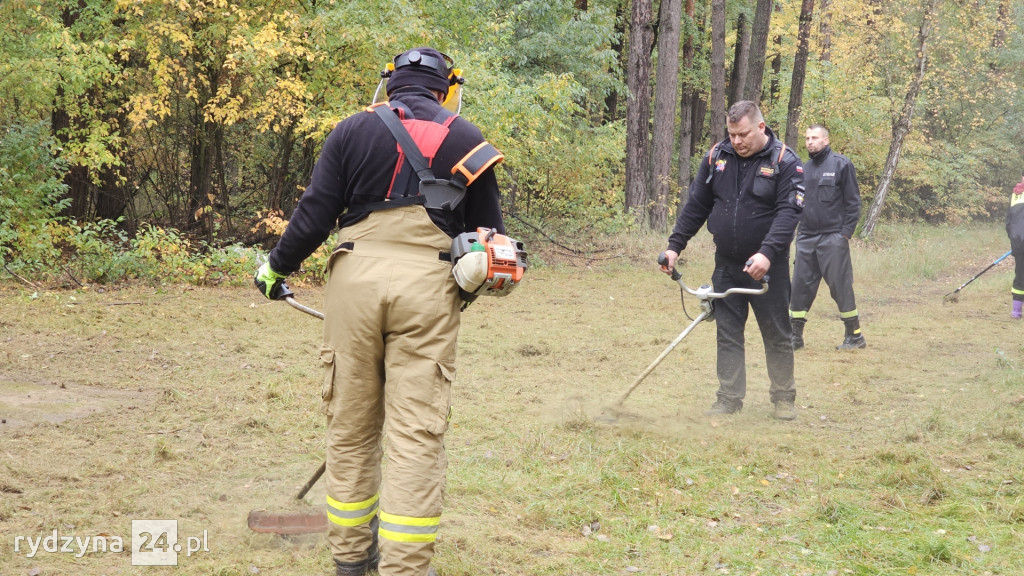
(24, 403)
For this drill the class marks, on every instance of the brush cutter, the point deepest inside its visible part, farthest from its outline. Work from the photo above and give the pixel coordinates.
(292, 522)
(954, 296)
(707, 310)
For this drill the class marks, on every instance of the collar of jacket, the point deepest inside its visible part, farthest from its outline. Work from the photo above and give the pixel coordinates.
(820, 155)
(411, 92)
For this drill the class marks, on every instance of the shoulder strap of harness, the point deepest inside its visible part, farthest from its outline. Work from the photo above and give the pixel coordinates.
(412, 151)
(713, 155)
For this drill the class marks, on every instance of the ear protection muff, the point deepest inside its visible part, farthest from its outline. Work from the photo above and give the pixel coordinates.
(446, 66)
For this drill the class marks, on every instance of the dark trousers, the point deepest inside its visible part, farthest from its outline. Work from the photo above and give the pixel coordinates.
(823, 256)
(771, 310)
(1017, 248)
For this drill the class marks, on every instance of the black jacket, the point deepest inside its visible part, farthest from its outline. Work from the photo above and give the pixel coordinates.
(832, 202)
(748, 207)
(1015, 218)
(357, 165)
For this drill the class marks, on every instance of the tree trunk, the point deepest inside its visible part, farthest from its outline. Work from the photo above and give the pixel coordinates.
(638, 108)
(611, 102)
(717, 70)
(773, 90)
(700, 111)
(686, 111)
(825, 30)
(113, 193)
(902, 125)
(77, 176)
(739, 62)
(796, 90)
(278, 184)
(758, 49)
(665, 91)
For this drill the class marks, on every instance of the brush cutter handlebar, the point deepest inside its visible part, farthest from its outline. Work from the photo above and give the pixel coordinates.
(704, 292)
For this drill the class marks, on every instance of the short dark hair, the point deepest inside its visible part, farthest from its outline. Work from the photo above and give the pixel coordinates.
(819, 127)
(744, 108)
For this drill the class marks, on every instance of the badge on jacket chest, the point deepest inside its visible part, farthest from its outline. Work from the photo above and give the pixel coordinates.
(766, 172)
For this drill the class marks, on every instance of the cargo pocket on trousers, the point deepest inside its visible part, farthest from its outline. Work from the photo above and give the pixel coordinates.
(327, 391)
(442, 399)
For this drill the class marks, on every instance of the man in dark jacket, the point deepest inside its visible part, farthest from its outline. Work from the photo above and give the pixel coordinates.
(391, 310)
(1015, 230)
(749, 191)
(831, 213)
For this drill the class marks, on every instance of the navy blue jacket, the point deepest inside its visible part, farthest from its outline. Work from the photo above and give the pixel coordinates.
(748, 207)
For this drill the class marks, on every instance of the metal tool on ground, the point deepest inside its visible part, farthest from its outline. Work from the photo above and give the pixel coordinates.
(954, 296)
(707, 311)
(290, 523)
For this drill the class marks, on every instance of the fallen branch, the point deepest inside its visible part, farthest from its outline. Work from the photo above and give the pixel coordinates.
(12, 273)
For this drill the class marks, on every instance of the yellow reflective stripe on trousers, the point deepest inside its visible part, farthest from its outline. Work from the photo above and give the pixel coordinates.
(850, 314)
(798, 313)
(408, 528)
(352, 513)
(1015, 291)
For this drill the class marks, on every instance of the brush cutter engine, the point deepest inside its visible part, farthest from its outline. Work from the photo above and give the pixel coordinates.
(487, 263)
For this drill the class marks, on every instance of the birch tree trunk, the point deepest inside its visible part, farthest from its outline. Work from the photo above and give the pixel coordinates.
(902, 125)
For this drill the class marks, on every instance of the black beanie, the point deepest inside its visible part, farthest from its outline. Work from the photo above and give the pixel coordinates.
(414, 74)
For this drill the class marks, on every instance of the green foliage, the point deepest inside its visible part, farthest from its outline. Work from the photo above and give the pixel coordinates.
(30, 195)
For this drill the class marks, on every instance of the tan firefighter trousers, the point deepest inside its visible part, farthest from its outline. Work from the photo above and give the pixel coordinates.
(390, 330)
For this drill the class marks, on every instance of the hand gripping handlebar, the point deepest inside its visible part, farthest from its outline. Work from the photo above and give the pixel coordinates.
(704, 292)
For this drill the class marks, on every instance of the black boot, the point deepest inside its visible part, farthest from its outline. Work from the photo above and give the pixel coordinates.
(854, 339)
(798, 332)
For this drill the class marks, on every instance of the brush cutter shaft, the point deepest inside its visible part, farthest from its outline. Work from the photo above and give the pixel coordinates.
(309, 484)
(700, 318)
(705, 295)
(306, 309)
(989, 267)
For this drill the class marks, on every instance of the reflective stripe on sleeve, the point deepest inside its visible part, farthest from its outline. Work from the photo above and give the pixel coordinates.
(479, 159)
(352, 513)
(408, 528)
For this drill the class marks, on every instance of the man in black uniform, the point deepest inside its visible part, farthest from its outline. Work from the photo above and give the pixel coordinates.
(391, 309)
(830, 216)
(749, 190)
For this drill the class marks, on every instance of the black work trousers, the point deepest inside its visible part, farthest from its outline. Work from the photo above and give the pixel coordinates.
(823, 256)
(1017, 248)
(771, 310)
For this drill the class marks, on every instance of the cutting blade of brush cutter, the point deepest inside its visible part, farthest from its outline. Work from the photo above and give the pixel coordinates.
(287, 522)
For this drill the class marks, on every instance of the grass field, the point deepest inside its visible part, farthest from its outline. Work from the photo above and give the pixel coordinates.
(198, 405)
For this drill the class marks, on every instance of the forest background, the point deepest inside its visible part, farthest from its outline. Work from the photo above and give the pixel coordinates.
(156, 138)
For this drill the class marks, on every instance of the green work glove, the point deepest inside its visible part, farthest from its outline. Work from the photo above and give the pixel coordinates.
(271, 283)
